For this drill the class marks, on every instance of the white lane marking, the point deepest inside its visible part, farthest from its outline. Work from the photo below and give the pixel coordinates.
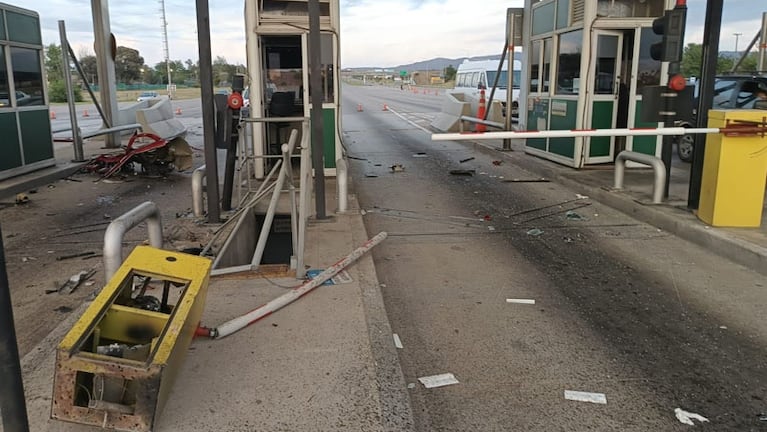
(410, 121)
(521, 301)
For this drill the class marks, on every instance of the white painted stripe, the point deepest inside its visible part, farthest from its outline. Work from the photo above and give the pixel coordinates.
(597, 398)
(438, 380)
(521, 301)
(412, 122)
(397, 342)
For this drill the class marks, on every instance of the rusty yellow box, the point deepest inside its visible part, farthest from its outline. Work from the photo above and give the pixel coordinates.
(116, 366)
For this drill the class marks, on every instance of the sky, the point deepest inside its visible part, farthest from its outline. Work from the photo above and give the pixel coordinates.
(375, 33)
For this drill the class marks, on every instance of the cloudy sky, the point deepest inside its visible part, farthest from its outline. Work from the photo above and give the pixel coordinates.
(373, 32)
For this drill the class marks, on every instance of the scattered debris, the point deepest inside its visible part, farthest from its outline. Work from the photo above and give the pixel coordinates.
(371, 175)
(341, 277)
(466, 160)
(356, 158)
(411, 385)
(420, 155)
(579, 196)
(532, 180)
(75, 280)
(497, 162)
(487, 218)
(688, 417)
(568, 239)
(63, 309)
(22, 199)
(463, 172)
(397, 341)
(77, 255)
(534, 232)
(26, 259)
(571, 215)
(491, 228)
(440, 380)
(723, 327)
(520, 301)
(397, 168)
(597, 398)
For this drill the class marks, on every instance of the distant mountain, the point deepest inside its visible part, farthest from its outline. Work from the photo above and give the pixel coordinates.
(438, 63)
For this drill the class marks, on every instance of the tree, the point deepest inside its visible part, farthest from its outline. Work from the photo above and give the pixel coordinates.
(692, 59)
(53, 62)
(128, 64)
(88, 63)
(450, 73)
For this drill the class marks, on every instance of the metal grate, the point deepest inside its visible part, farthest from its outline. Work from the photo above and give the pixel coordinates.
(577, 10)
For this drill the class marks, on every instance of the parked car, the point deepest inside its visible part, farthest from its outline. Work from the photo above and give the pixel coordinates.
(730, 92)
(147, 96)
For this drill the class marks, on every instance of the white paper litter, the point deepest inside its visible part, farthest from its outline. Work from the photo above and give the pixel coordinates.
(597, 398)
(521, 301)
(688, 417)
(397, 342)
(438, 380)
(579, 196)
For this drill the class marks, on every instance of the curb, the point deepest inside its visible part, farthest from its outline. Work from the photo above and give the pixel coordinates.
(396, 411)
(680, 223)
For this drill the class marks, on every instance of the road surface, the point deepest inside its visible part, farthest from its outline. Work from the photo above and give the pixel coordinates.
(621, 309)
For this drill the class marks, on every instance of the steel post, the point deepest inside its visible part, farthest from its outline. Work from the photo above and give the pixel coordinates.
(105, 46)
(315, 89)
(13, 406)
(208, 110)
(711, 31)
(77, 140)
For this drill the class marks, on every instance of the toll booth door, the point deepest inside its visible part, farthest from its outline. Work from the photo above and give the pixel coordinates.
(606, 85)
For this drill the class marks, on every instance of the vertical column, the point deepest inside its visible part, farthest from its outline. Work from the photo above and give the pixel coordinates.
(106, 48)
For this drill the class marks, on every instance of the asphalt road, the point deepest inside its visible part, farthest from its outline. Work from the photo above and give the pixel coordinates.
(622, 309)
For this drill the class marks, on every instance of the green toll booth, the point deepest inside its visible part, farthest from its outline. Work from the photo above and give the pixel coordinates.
(587, 63)
(26, 143)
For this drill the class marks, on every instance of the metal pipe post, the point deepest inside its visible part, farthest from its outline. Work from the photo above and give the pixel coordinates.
(208, 111)
(77, 140)
(13, 408)
(197, 194)
(315, 86)
(658, 168)
(113, 237)
(105, 61)
(712, 29)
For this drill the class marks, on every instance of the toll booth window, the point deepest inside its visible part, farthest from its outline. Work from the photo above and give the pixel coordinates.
(546, 74)
(2, 26)
(607, 60)
(648, 71)
(23, 28)
(28, 76)
(284, 66)
(569, 63)
(535, 67)
(5, 97)
(630, 8)
(326, 54)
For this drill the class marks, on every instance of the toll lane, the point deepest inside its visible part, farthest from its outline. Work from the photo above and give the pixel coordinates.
(636, 316)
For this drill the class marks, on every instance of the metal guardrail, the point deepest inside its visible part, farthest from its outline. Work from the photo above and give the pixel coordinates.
(659, 170)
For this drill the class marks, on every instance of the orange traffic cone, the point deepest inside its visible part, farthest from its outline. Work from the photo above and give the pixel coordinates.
(85, 113)
(178, 111)
(359, 107)
(481, 111)
(53, 115)
(386, 107)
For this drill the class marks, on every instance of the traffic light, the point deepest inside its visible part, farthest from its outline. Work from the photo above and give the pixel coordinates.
(671, 27)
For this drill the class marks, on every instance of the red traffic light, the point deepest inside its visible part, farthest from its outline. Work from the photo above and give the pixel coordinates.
(677, 82)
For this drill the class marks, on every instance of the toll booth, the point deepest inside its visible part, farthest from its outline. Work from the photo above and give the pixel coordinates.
(26, 144)
(587, 63)
(278, 66)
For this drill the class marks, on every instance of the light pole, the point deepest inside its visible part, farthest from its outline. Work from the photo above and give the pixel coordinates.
(737, 36)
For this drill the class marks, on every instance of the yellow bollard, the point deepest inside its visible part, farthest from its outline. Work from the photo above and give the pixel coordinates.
(734, 171)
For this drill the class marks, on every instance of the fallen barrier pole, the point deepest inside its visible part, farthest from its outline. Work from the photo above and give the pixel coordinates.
(249, 318)
(476, 120)
(473, 136)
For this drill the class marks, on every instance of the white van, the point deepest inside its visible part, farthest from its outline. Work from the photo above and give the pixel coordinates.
(473, 76)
